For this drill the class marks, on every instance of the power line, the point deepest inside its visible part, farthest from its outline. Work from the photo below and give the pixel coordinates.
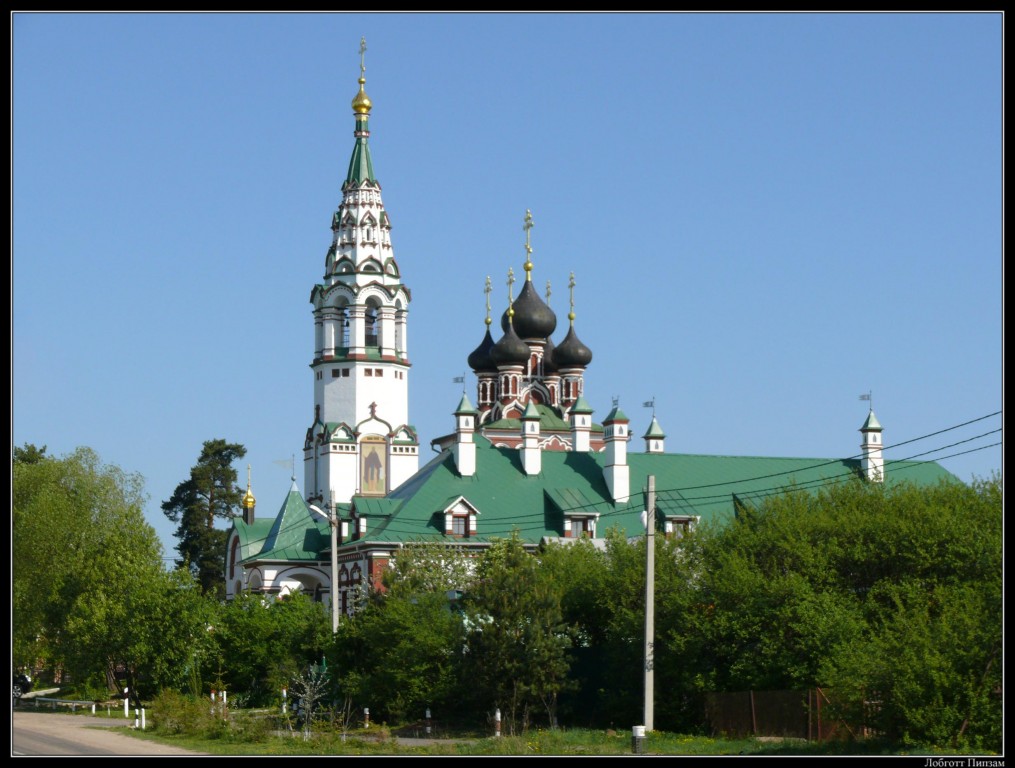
(701, 501)
(712, 499)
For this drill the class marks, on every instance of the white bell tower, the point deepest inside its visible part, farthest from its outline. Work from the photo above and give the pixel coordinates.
(360, 441)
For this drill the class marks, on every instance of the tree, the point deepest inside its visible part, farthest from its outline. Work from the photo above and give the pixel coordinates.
(401, 652)
(210, 494)
(146, 638)
(889, 593)
(603, 604)
(85, 565)
(309, 689)
(429, 567)
(263, 642)
(29, 454)
(517, 643)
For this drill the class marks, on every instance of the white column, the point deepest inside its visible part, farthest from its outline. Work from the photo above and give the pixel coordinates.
(386, 331)
(357, 329)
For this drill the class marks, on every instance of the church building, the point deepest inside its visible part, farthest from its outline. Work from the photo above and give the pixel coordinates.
(528, 456)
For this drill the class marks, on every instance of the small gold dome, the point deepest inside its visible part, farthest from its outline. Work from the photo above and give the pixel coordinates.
(361, 104)
(248, 499)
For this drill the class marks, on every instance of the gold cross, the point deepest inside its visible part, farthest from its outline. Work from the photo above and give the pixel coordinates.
(510, 284)
(527, 226)
(487, 291)
(362, 50)
(570, 287)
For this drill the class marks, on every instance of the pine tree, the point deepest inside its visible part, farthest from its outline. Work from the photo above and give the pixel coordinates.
(209, 494)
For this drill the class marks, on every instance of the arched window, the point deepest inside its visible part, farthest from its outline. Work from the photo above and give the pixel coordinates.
(370, 319)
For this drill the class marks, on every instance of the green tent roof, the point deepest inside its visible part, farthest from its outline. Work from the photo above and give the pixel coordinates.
(295, 533)
(361, 166)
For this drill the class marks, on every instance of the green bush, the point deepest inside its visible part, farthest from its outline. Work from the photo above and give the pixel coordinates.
(175, 713)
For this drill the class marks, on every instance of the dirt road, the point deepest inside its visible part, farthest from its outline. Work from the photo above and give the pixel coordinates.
(41, 733)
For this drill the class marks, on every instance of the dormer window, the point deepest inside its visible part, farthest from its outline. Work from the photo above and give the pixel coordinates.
(460, 518)
(679, 525)
(580, 527)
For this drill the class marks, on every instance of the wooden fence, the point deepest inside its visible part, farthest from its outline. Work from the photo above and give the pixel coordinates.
(809, 714)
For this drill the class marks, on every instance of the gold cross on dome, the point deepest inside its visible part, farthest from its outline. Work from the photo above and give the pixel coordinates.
(487, 290)
(570, 287)
(527, 226)
(510, 284)
(362, 58)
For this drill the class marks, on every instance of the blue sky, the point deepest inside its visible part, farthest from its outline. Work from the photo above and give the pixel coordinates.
(767, 215)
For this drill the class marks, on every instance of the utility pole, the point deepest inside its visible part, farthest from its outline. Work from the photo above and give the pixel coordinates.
(650, 589)
(333, 519)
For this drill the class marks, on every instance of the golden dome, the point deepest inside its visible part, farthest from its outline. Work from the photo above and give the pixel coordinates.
(248, 501)
(361, 104)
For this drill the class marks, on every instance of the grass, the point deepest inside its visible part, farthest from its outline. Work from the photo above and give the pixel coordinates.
(537, 742)
(247, 736)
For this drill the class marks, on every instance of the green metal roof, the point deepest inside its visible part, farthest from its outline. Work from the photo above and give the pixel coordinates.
(374, 506)
(549, 420)
(871, 424)
(294, 534)
(708, 487)
(574, 500)
(465, 407)
(361, 166)
(654, 430)
(252, 535)
(615, 415)
(581, 405)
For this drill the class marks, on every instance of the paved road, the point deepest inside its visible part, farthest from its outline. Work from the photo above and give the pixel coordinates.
(41, 733)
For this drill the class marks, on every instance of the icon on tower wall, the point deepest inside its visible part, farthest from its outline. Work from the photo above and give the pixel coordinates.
(373, 465)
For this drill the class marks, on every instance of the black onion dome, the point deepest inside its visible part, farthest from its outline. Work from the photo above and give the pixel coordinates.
(571, 353)
(510, 350)
(533, 319)
(549, 364)
(480, 359)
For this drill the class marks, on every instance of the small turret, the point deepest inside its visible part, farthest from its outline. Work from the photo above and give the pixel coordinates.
(872, 464)
(581, 426)
(465, 447)
(616, 471)
(531, 457)
(654, 438)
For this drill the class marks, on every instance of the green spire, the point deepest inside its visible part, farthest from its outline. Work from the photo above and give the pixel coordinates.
(465, 407)
(871, 423)
(654, 430)
(361, 166)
